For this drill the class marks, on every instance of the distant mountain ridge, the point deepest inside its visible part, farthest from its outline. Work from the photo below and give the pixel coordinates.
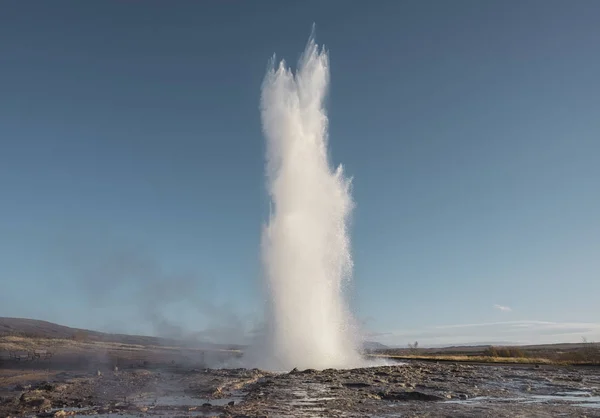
(374, 345)
(35, 328)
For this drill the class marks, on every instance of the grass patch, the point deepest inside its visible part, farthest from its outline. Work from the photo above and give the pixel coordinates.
(585, 353)
(467, 358)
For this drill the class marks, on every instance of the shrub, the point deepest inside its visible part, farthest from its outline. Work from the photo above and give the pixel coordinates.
(507, 352)
(80, 336)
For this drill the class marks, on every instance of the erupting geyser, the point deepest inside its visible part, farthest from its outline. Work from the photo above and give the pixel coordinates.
(306, 246)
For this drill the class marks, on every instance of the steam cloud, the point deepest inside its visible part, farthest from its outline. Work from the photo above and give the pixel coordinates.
(129, 277)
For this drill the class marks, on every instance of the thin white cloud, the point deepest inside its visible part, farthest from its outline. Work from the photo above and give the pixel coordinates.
(523, 324)
(503, 308)
(506, 332)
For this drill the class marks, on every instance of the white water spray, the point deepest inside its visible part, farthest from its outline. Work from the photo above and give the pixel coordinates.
(306, 246)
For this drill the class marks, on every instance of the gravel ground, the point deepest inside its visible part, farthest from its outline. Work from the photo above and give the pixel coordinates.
(415, 389)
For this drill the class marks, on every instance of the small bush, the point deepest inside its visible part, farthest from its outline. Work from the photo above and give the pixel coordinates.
(507, 352)
(414, 348)
(591, 351)
(80, 336)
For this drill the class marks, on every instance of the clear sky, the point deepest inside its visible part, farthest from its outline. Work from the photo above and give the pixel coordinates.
(132, 188)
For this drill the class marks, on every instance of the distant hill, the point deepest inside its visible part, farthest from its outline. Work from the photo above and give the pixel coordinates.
(374, 345)
(34, 328)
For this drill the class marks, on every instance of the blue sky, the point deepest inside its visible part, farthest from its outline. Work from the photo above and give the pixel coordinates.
(132, 188)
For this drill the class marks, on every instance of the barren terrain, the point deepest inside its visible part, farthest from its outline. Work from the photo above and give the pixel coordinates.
(112, 379)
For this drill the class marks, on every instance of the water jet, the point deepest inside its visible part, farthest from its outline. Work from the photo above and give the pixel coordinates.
(305, 244)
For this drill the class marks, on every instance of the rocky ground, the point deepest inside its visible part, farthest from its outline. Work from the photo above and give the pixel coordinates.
(416, 389)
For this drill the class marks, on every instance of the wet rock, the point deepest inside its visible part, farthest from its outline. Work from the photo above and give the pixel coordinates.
(33, 401)
(48, 387)
(409, 396)
(356, 385)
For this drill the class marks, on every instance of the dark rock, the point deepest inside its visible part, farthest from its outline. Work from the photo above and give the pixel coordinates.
(49, 387)
(294, 370)
(231, 403)
(409, 396)
(356, 384)
(206, 405)
(36, 402)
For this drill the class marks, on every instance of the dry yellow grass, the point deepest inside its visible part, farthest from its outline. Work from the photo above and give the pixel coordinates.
(12, 343)
(476, 359)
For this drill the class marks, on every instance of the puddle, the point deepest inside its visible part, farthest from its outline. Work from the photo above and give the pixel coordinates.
(183, 401)
(168, 406)
(169, 400)
(478, 400)
(309, 400)
(588, 405)
(225, 401)
(164, 414)
(574, 393)
(110, 416)
(573, 398)
(584, 399)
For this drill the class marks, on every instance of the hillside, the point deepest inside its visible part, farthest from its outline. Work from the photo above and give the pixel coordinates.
(34, 328)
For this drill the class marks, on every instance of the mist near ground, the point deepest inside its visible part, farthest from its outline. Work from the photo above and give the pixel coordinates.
(173, 304)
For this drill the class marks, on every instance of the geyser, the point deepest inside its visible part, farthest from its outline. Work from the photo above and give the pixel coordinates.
(305, 245)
